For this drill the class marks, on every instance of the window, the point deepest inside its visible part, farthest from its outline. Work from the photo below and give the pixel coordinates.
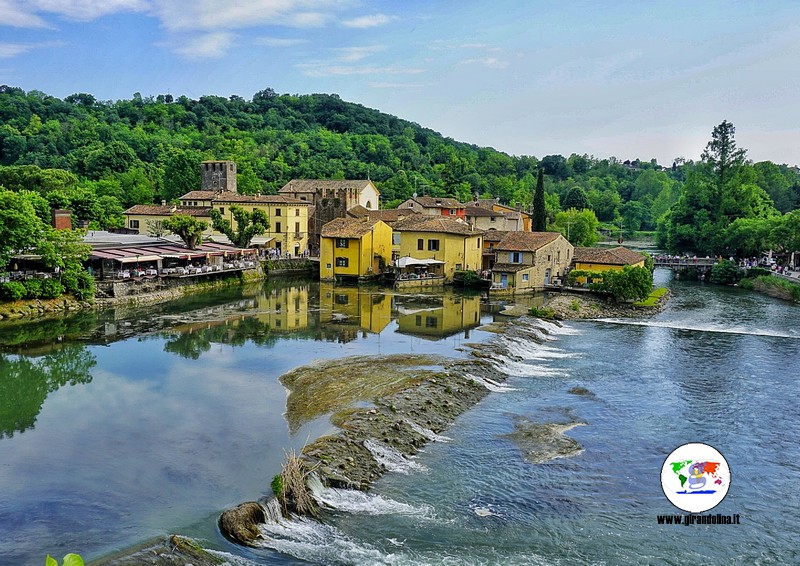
(515, 257)
(433, 245)
(222, 210)
(277, 226)
(369, 204)
(134, 223)
(493, 219)
(328, 266)
(430, 322)
(297, 229)
(548, 257)
(395, 238)
(524, 276)
(410, 204)
(341, 299)
(342, 262)
(458, 267)
(558, 255)
(452, 211)
(419, 320)
(277, 212)
(420, 244)
(342, 243)
(297, 212)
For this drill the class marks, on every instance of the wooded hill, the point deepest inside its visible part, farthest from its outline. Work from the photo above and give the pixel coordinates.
(100, 157)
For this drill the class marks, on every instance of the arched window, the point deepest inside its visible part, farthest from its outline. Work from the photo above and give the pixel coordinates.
(369, 204)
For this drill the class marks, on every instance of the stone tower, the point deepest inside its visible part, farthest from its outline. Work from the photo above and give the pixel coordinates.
(218, 176)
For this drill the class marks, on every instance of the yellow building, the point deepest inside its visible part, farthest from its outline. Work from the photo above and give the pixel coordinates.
(605, 259)
(288, 219)
(516, 219)
(530, 260)
(354, 247)
(284, 309)
(147, 218)
(452, 241)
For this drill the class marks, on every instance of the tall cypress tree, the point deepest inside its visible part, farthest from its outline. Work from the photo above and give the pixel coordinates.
(539, 212)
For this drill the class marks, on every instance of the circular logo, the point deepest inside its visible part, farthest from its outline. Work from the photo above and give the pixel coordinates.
(695, 477)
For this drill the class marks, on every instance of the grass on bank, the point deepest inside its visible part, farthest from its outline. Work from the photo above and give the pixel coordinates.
(652, 299)
(787, 289)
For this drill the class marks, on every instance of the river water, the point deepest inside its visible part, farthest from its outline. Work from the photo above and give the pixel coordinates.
(131, 425)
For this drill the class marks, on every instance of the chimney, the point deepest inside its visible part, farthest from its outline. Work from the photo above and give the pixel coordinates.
(163, 203)
(173, 209)
(61, 219)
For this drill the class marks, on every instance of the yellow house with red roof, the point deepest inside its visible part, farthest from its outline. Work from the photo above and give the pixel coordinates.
(354, 248)
(530, 260)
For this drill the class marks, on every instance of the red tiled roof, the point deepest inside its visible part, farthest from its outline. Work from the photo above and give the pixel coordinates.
(166, 210)
(607, 256)
(441, 224)
(235, 198)
(526, 241)
(313, 185)
(198, 195)
(438, 202)
(476, 211)
(348, 227)
(509, 267)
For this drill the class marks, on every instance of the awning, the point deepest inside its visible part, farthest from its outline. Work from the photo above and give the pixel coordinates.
(260, 240)
(409, 261)
(135, 258)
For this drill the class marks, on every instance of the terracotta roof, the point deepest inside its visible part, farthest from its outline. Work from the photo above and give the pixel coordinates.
(486, 202)
(198, 195)
(358, 211)
(312, 185)
(438, 202)
(608, 256)
(509, 267)
(442, 224)
(234, 198)
(494, 235)
(526, 241)
(476, 211)
(166, 210)
(348, 227)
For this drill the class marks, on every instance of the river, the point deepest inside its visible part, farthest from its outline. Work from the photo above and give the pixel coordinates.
(118, 427)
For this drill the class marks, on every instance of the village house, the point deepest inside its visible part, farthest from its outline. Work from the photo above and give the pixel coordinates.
(605, 259)
(516, 218)
(455, 243)
(390, 216)
(435, 206)
(329, 199)
(147, 218)
(530, 260)
(354, 248)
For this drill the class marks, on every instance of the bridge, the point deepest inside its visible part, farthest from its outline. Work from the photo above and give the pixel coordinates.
(678, 263)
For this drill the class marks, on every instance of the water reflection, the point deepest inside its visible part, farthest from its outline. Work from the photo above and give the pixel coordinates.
(435, 318)
(25, 383)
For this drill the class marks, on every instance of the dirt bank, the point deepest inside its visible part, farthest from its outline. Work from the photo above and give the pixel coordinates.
(570, 306)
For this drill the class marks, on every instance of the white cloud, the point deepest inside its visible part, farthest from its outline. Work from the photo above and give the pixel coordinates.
(85, 10)
(328, 70)
(8, 50)
(364, 22)
(392, 85)
(223, 14)
(206, 46)
(491, 62)
(279, 41)
(14, 14)
(352, 54)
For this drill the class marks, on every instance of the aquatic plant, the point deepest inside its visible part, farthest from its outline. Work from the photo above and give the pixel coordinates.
(70, 559)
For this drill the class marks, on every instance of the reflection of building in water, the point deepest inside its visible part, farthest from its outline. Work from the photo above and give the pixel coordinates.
(347, 306)
(454, 315)
(284, 310)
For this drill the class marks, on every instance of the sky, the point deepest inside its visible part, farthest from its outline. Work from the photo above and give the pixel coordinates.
(629, 79)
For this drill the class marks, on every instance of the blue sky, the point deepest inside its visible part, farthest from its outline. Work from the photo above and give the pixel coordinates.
(625, 79)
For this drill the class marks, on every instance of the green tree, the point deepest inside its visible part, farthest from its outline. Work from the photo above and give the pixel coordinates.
(248, 224)
(187, 228)
(20, 228)
(576, 198)
(578, 226)
(722, 155)
(539, 210)
(629, 284)
(63, 249)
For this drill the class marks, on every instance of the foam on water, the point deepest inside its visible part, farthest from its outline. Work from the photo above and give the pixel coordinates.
(522, 369)
(352, 501)
(427, 433)
(390, 458)
(489, 384)
(702, 328)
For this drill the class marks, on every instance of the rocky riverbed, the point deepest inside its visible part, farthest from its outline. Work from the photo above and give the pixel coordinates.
(573, 306)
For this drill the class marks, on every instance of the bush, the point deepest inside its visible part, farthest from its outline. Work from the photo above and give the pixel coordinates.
(33, 288)
(12, 291)
(52, 288)
(726, 272)
(79, 283)
(543, 312)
